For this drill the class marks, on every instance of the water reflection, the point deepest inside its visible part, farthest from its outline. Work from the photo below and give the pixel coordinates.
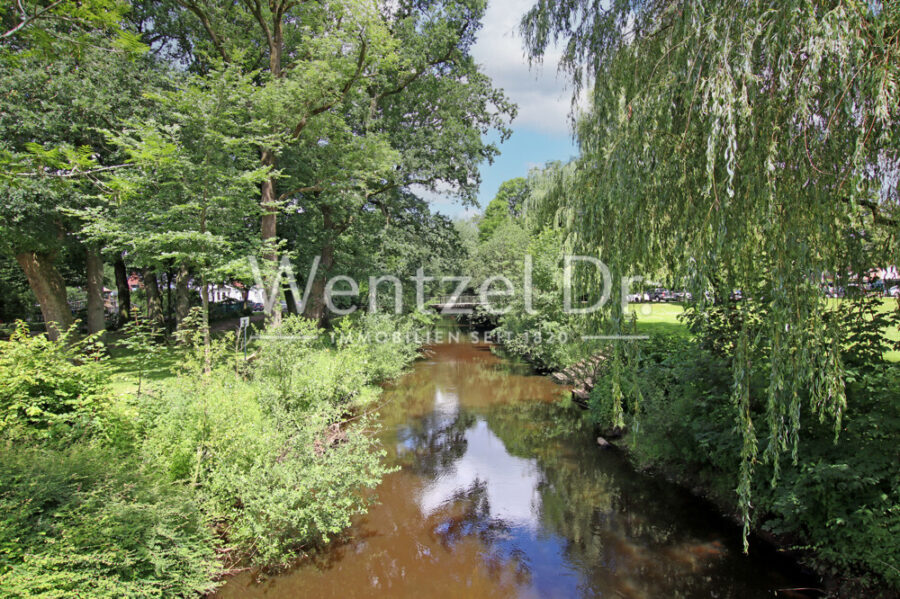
(509, 484)
(502, 493)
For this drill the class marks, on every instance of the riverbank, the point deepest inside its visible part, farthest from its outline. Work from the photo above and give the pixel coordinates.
(194, 464)
(500, 492)
(835, 508)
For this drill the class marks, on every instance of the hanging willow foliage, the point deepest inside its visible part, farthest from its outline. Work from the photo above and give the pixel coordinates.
(736, 144)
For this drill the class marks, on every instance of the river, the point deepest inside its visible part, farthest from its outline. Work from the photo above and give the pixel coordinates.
(502, 491)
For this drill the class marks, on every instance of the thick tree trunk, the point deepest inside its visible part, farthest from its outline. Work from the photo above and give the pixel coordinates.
(268, 198)
(49, 289)
(315, 304)
(154, 299)
(182, 294)
(315, 307)
(124, 292)
(96, 315)
(268, 202)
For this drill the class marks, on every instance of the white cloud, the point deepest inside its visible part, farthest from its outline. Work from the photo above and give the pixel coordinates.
(540, 91)
(511, 483)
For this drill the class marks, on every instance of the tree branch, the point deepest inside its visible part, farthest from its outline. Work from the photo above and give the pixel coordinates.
(26, 21)
(875, 209)
(380, 191)
(360, 63)
(296, 190)
(421, 71)
(207, 25)
(74, 173)
(256, 9)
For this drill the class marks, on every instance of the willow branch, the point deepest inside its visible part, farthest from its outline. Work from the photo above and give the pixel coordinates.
(875, 209)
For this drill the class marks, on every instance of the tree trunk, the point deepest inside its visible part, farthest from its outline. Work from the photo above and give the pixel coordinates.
(268, 199)
(315, 307)
(49, 289)
(182, 294)
(170, 305)
(268, 202)
(154, 299)
(124, 297)
(290, 300)
(204, 296)
(96, 315)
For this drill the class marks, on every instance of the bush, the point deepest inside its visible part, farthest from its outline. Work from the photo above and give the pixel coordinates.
(275, 460)
(88, 520)
(843, 499)
(50, 389)
(839, 500)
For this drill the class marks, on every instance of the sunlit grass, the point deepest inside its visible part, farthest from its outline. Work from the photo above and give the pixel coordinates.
(663, 318)
(659, 318)
(126, 372)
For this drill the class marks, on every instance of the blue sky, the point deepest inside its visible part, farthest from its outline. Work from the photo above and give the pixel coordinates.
(541, 131)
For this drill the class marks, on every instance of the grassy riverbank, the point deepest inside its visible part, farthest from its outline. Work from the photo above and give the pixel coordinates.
(664, 319)
(837, 504)
(214, 464)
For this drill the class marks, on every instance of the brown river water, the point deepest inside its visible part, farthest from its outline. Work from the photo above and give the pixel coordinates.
(503, 492)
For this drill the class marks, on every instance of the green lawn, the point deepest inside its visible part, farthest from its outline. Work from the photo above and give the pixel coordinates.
(659, 318)
(663, 318)
(126, 371)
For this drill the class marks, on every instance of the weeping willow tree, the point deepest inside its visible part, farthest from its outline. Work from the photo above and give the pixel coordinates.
(736, 144)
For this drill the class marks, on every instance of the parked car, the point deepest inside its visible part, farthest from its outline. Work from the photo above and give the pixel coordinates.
(661, 295)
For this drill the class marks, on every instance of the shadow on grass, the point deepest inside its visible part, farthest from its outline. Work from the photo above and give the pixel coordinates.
(126, 369)
(663, 328)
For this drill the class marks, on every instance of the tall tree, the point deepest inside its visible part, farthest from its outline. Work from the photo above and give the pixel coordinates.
(389, 92)
(752, 143)
(50, 132)
(509, 202)
(305, 58)
(189, 194)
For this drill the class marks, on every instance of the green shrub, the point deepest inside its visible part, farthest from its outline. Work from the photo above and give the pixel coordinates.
(89, 521)
(50, 389)
(545, 339)
(273, 458)
(385, 345)
(840, 500)
(843, 499)
(276, 477)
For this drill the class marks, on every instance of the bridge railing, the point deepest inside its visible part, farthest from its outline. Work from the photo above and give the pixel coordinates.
(444, 300)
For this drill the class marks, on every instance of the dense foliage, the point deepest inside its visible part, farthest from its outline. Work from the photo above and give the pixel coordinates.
(737, 145)
(49, 386)
(144, 495)
(90, 519)
(839, 502)
(833, 499)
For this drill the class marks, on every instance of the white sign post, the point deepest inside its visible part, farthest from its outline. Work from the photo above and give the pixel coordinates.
(243, 326)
